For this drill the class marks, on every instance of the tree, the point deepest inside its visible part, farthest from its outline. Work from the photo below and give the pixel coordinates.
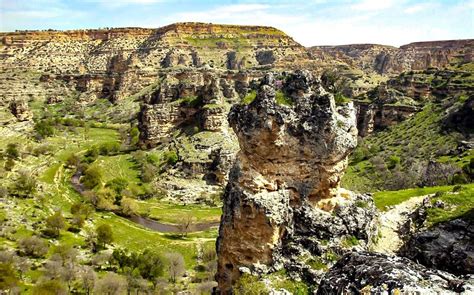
(111, 284)
(129, 207)
(50, 287)
(88, 279)
(92, 177)
(44, 128)
(12, 151)
(185, 224)
(54, 224)
(151, 266)
(33, 246)
(8, 276)
(104, 235)
(25, 184)
(175, 266)
(73, 161)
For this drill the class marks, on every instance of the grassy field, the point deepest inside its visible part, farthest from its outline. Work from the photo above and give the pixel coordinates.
(173, 213)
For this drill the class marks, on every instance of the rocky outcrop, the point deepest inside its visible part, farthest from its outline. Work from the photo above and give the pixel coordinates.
(375, 273)
(447, 246)
(283, 197)
(414, 56)
(20, 109)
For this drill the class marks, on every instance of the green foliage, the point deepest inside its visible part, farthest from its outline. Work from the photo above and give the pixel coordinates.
(171, 157)
(117, 184)
(33, 246)
(191, 101)
(49, 287)
(249, 97)
(134, 136)
(350, 241)
(54, 224)
(25, 185)
(109, 148)
(458, 205)
(12, 151)
(340, 99)
(91, 154)
(393, 161)
(104, 234)
(317, 263)
(282, 99)
(280, 280)
(8, 276)
(249, 285)
(44, 128)
(92, 177)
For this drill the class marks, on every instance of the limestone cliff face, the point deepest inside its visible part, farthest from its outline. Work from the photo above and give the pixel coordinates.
(282, 198)
(391, 60)
(117, 63)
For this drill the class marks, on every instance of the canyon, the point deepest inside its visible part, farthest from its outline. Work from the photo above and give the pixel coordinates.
(247, 118)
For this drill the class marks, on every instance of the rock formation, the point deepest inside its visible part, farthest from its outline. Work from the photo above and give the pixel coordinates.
(375, 273)
(283, 196)
(391, 60)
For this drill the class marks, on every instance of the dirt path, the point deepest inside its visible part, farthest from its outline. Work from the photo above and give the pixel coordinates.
(391, 221)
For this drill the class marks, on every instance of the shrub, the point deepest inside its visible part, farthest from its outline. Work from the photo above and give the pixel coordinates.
(249, 97)
(12, 151)
(104, 234)
(109, 148)
(44, 128)
(91, 154)
(393, 161)
(250, 285)
(282, 99)
(33, 246)
(171, 157)
(92, 177)
(340, 99)
(54, 224)
(25, 185)
(117, 184)
(350, 241)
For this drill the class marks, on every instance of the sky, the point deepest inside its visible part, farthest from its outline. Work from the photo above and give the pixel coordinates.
(309, 22)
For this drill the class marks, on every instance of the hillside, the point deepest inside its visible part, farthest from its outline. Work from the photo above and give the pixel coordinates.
(123, 148)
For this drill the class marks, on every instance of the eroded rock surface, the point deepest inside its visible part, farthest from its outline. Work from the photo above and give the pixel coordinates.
(282, 204)
(375, 273)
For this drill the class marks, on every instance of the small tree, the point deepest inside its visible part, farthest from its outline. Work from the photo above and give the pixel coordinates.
(33, 246)
(88, 279)
(111, 284)
(104, 235)
(25, 184)
(55, 287)
(151, 265)
(129, 207)
(92, 177)
(185, 224)
(55, 223)
(175, 266)
(12, 151)
(8, 276)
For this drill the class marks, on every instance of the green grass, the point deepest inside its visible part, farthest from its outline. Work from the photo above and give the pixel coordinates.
(459, 204)
(249, 97)
(173, 213)
(384, 199)
(282, 99)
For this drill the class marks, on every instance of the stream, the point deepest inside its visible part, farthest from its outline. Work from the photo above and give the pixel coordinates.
(147, 222)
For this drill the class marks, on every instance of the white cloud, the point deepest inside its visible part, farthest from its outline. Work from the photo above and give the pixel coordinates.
(373, 5)
(419, 7)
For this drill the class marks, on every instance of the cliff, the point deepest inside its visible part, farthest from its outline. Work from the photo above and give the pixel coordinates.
(388, 60)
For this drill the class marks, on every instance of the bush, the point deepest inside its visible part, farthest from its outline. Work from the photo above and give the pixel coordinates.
(282, 99)
(104, 234)
(250, 285)
(92, 177)
(44, 128)
(249, 97)
(25, 185)
(33, 246)
(340, 99)
(393, 161)
(91, 155)
(109, 148)
(12, 151)
(171, 157)
(117, 184)
(54, 224)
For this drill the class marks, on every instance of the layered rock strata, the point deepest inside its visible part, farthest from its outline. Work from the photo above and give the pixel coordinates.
(283, 196)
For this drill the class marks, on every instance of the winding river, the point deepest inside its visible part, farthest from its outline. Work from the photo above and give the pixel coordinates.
(147, 222)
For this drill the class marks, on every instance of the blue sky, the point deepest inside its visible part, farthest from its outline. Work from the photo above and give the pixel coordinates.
(310, 22)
